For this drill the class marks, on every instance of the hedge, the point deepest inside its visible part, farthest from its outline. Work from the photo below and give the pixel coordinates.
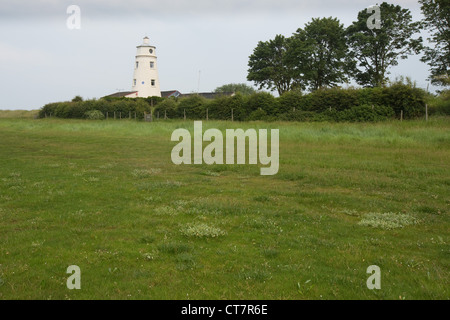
(334, 104)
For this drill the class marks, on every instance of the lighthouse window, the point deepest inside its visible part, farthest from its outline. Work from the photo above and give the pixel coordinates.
(134, 81)
(152, 64)
(153, 82)
(137, 64)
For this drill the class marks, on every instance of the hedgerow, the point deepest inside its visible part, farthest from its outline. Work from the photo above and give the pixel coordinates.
(332, 104)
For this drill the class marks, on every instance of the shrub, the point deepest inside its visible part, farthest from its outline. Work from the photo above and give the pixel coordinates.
(406, 98)
(264, 101)
(221, 107)
(94, 115)
(365, 113)
(336, 98)
(440, 105)
(167, 107)
(259, 114)
(194, 106)
(290, 100)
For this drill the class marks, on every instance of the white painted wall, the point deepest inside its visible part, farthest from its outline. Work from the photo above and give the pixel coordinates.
(144, 73)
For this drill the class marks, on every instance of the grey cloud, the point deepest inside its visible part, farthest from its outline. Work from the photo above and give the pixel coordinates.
(44, 9)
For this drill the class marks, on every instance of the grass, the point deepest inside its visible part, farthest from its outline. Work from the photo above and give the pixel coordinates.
(14, 114)
(104, 195)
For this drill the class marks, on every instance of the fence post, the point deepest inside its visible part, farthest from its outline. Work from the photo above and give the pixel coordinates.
(114, 115)
(401, 115)
(129, 114)
(232, 115)
(184, 114)
(206, 114)
(106, 115)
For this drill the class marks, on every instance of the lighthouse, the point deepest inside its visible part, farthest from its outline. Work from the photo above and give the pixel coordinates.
(145, 77)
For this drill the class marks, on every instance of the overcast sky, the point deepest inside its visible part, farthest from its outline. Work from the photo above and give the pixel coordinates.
(200, 43)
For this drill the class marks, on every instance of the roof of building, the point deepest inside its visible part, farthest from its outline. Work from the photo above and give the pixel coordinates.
(170, 93)
(209, 95)
(121, 94)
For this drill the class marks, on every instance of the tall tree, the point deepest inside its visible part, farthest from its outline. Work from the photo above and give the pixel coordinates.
(270, 65)
(321, 52)
(243, 88)
(378, 49)
(437, 21)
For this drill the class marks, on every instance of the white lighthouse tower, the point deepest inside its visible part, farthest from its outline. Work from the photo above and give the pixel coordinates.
(145, 78)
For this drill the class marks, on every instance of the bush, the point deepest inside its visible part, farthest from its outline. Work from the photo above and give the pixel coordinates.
(259, 114)
(94, 115)
(220, 108)
(194, 106)
(290, 100)
(336, 98)
(264, 101)
(365, 113)
(168, 108)
(404, 97)
(440, 105)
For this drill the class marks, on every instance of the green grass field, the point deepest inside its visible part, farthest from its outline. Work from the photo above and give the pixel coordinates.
(105, 196)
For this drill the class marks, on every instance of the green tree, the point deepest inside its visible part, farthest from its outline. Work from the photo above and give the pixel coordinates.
(77, 99)
(320, 53)
(375, 50)
(243, 88)
(271, 65)
(437, 22)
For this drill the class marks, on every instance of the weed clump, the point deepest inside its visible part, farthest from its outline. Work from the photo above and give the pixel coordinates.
(201, 230)
(387, 221)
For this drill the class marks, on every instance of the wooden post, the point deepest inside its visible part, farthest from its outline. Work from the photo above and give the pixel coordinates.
(129, 113)
(165, 114)
(232, 115)
(426, 112)
(206, 114)
(114, 115)
(184, 114)
(401, 115)
(330, 108)
(135, 117)
(106, 115)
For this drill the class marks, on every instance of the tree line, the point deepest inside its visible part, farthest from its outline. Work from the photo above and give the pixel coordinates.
(401, 99)
(324, 53)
